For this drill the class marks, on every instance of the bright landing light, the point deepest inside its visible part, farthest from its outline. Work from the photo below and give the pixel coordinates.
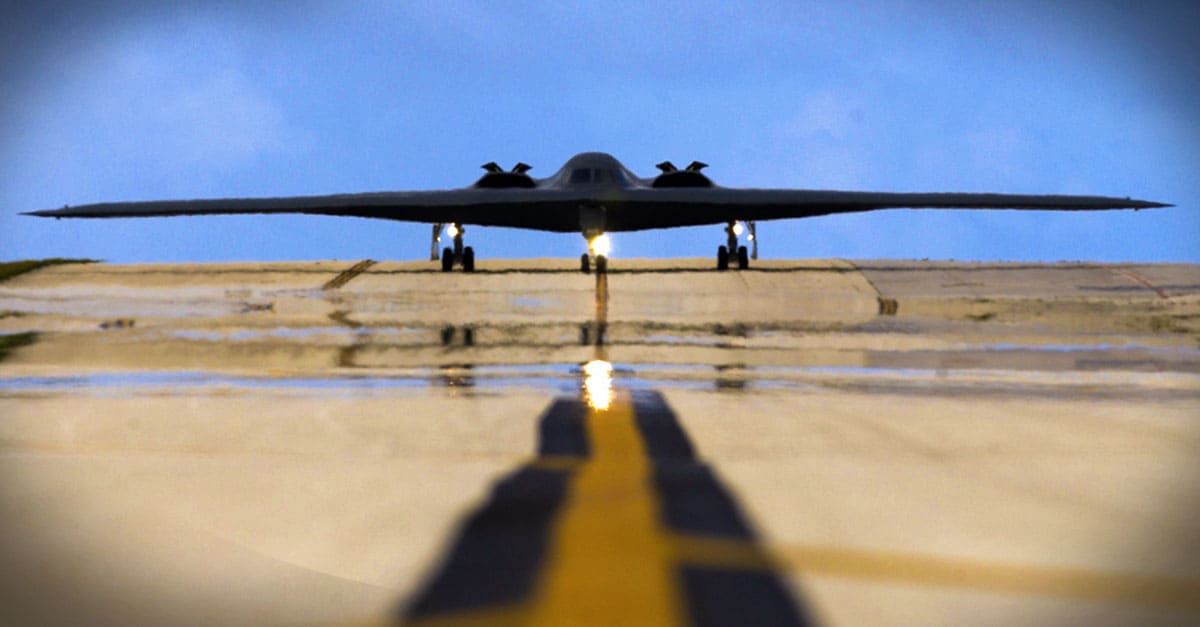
(600, 245)
(452, 230)
(738, 228)
(597, 384)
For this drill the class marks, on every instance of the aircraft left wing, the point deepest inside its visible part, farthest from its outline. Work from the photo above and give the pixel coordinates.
(654, 208)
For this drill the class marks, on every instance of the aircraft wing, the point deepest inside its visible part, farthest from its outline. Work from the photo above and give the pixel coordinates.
(419, 206)
(655, 208)
(540, 209)
(626, 209)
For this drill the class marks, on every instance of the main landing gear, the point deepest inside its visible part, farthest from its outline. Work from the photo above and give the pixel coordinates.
(731, 251)
(462, 255)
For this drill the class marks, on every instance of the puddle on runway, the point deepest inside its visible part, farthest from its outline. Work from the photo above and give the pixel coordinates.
(553, 378)
(346, 346)
(565, 378)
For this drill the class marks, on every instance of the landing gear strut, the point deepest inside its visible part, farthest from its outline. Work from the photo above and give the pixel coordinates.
(732, 250)
(437, 237)
(462, 255)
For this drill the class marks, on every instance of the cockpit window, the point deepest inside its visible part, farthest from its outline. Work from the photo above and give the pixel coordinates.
(595, 175)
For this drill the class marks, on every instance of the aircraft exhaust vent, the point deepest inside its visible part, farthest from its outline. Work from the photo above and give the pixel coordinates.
(496, 178)
(688, 177)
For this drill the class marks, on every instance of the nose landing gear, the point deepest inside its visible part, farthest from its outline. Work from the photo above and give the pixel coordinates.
(585, 264)
(598, 247)
(462, 255)
(731, 251)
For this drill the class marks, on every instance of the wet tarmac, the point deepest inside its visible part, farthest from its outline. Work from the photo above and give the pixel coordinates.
(807, 442)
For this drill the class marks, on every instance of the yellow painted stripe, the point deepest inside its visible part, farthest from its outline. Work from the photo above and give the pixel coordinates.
(999, 577)
(348, 274)
(722, 553)
(609, 562)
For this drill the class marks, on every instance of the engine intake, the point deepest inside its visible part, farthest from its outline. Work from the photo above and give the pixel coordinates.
(688, 177)
(496, 178)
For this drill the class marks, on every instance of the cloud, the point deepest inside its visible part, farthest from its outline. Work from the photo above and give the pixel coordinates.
(220, 120)
(182, 105)
(825, 141)
(828, 113)
(1001, 154)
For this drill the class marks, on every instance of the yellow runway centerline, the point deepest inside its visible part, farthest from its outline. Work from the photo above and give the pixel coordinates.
(614, 522)
(610, 562)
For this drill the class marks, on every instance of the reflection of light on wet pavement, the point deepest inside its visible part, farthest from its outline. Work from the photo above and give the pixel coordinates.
(597, 384)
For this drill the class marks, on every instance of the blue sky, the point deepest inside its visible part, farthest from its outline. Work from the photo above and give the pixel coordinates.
(147, 100)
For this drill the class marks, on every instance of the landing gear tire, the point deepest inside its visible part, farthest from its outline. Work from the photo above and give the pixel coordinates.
(601, 264)
(468, 260)
(743, 258)
(447, 259)
(585, 264)
(722, 258)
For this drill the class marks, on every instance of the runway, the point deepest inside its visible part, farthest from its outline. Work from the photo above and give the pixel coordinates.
(827, 442)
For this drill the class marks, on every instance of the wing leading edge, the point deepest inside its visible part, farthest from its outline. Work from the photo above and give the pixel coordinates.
(690, 207)
(626, 209)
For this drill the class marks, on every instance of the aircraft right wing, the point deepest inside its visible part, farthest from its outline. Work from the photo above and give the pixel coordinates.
(549, 210)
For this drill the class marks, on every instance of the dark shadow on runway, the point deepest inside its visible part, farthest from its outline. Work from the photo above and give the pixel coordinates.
(504, 552)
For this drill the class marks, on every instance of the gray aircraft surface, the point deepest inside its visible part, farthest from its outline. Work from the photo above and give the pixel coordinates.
(593, 194)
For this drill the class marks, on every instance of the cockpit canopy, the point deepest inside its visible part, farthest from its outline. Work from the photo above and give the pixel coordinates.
(595, 168)
(595, 175)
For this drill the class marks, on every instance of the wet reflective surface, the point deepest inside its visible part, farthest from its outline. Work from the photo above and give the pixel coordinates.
(901, 442)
